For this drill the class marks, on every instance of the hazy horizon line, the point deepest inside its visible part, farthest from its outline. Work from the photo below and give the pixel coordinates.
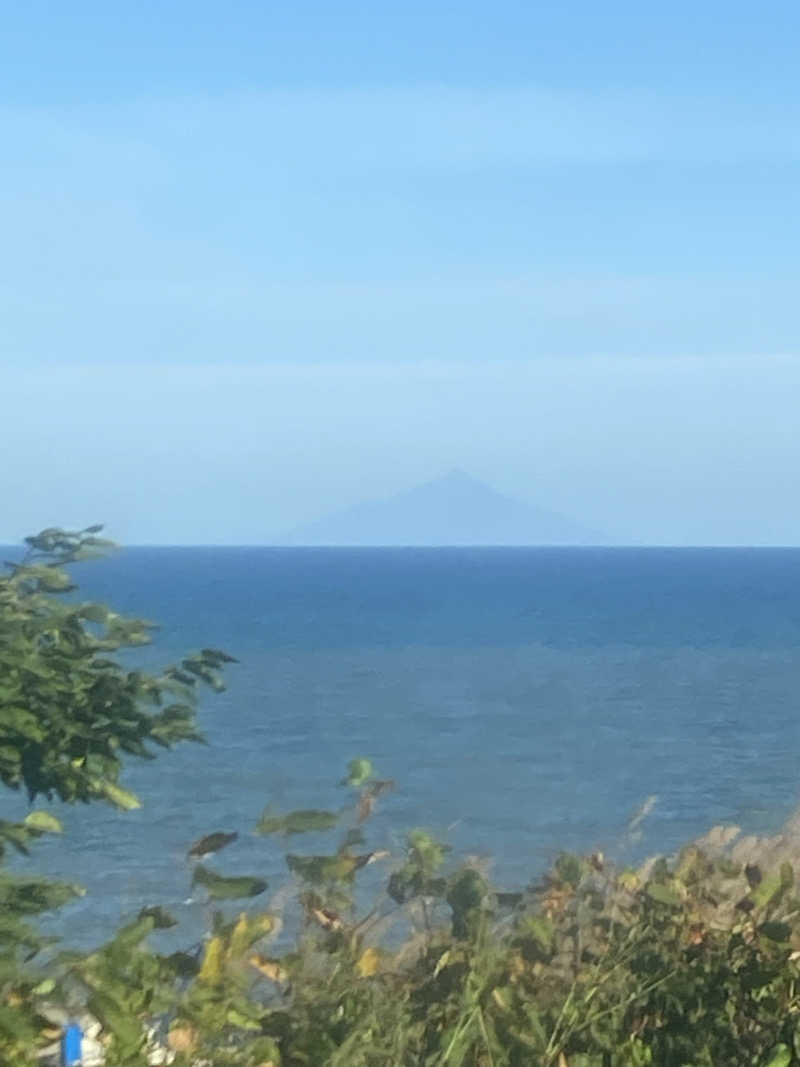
(621, 546)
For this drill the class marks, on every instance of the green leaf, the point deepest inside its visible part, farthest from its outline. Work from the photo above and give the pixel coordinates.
(16, 835)
(321, 869)
(52, 580)
(248, 930)
(212, 843)
(779, 1056)
(535, 1025)
(220, 888)
(776, 931)
(119, 797)
(541, 929)
(238, 1019)
(98, 542)
(216, 656)
(93, 612)
(359, 771)
(297, 822)
(132, 934)
(569, 868)
(264, 1050)
(768, 890)
(465, 895)
(664, 894)
(184, 964)
(124, 1025)
(43, 822)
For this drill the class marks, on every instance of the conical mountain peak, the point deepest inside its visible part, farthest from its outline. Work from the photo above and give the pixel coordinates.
(453, 509)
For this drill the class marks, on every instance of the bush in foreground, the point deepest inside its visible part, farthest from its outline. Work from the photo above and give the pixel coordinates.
(692, 960)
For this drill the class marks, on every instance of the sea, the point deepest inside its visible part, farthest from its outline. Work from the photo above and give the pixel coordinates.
(525, 701)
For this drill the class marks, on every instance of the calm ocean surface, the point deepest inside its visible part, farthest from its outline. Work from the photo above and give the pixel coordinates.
(525, 700)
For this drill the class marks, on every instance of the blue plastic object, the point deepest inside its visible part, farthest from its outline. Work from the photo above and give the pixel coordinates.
(71, 1046)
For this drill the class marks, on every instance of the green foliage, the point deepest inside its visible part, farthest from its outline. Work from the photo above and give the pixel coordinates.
(20, 835)
(359, 772)
(690, 960)
(71, 713)
(212, 843)
(220, 888)
(417, 875)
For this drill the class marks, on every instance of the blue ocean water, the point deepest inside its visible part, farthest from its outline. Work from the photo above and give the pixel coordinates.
(524, 700)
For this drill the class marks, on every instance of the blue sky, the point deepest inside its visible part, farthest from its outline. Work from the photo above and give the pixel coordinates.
(261, 261)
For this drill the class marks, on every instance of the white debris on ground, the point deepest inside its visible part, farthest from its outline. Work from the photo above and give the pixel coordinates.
(92, 1048)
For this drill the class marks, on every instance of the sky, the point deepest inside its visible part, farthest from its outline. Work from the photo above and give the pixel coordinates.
(262, 261)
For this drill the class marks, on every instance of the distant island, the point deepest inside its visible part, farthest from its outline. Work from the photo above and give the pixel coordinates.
(455, 509)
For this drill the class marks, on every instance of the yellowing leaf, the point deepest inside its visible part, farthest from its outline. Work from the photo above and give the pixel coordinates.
(261, 925)
(43, 822)
(212, 968)
(629, 880)
(121, 798)
(500, 997)
(368, 962)
(247, 931)
(239, 937)
(269, 968)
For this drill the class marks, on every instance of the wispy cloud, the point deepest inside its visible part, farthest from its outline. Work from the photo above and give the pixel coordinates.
(248, 321)
(350, 224)
(427, 126)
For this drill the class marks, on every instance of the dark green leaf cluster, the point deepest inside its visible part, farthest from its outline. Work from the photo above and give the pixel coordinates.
(70, 711)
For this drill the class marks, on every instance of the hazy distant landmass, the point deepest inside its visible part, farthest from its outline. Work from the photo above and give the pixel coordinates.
(455, 509)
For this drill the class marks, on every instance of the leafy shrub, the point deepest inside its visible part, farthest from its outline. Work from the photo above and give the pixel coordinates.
(695, 961)
(689, 960)
(70, 713)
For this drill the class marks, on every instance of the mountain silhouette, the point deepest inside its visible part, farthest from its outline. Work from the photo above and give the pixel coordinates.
(455, 509)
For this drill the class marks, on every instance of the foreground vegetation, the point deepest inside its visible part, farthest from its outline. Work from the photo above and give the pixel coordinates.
(692, 960)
